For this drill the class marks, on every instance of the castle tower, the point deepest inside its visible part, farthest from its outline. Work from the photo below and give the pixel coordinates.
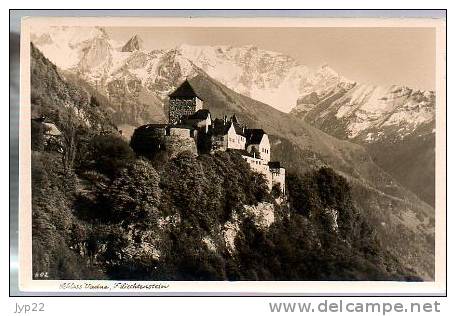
(183, 102)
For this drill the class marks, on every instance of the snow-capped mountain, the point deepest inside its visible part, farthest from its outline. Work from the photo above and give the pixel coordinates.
(108, 65)
(368, 113)
(270, 77)
(323, 97)
(396, 125)
(82, 49)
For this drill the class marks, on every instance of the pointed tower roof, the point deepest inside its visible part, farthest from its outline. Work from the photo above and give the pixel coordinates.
(185, 90)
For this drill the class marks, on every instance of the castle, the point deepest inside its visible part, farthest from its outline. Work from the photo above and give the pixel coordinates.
(189, 121)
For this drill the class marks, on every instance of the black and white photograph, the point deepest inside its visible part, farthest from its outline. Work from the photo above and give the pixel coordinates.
(222, 152)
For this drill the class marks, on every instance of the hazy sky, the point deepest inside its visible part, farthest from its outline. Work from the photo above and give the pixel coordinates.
(382, 56)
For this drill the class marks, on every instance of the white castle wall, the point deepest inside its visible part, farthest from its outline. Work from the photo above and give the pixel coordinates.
(199, 104)
(234, 141)
(264, 148)
(258, 165)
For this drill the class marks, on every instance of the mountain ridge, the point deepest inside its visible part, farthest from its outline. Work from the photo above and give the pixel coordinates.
(270, 77)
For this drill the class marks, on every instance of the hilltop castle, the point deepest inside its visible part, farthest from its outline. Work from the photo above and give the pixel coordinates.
(190, 123)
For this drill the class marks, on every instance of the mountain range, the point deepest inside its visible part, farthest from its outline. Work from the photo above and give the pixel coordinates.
(363, 112)
(299, 107)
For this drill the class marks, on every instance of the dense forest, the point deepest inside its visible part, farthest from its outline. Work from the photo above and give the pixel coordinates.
(100, 210)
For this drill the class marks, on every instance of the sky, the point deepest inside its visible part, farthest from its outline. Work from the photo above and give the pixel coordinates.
(379, 56)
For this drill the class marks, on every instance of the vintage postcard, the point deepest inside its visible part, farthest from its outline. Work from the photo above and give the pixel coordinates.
(233, 156)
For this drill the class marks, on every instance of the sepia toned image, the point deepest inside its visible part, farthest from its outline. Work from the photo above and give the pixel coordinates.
(218, 150)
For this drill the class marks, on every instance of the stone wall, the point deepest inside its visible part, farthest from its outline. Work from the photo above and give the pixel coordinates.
(278, 176)
(258, 165)
(180, 132)
(181, 107)
(175, 145)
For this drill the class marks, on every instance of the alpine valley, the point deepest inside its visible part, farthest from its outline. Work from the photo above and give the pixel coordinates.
(381, 139)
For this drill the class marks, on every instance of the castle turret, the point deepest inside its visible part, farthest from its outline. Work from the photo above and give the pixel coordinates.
(183, 102)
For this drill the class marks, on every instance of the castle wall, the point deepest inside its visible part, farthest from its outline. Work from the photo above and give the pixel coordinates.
(176, 145)
(220, 143)
(235, 141)
(180, 132)
(265, 148)
(205, 123)
(278, 176)
(179, 107)
(198, 104)
(272, 175)
(181, 139)
(258, 165)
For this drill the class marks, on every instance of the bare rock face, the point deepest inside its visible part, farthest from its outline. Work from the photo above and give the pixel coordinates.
(95, 55)
(332, 215)
(135, 43)
(230, 230)
(263, 214)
